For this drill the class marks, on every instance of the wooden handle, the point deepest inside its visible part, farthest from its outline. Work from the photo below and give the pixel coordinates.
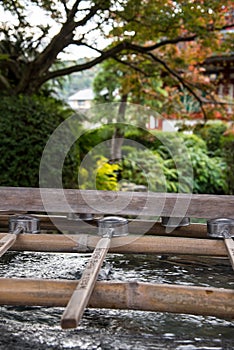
(6, 242)
(81, 295)
(230, 248)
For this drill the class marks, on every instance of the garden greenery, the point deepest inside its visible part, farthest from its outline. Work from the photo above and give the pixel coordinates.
(153, 166)
(26, 123)
(157, 170)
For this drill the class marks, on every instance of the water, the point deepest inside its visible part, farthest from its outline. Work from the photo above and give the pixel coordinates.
(39, 327)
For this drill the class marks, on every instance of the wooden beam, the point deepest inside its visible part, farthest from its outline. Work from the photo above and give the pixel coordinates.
(129, 203)
(129, 244)
(115, 295)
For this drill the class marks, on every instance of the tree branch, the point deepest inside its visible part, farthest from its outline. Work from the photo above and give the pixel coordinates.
(62, 39)
(64, 2)
(128, 64)
(13, 66)
(34, 44)
(182, 81)
(87, 65)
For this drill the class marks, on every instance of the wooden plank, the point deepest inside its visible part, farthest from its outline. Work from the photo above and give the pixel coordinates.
(129, 244)
(118, 203)
(115, 295)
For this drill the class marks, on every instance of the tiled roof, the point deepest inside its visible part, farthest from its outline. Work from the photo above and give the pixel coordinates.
(82, 95)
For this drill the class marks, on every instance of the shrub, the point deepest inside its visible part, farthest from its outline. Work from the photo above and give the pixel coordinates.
(160, 171)
(107, 175)
(25, 125)
(100, 175)
(144, 167)
(212, 134)
(209, 173)
(227, 147)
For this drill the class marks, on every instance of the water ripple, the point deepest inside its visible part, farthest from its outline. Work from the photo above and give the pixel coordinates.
(39, 327)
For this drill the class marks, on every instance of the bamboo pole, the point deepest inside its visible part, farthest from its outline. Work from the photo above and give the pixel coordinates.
(115, 295)
(129, 244)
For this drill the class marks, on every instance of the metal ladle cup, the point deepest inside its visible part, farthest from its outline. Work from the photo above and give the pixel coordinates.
(118, 225)
(108, 227)
(174, 222)
(223, 228)
(18, 225)
(24, 223)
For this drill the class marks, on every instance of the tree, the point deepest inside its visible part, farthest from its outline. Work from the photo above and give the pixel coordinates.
(145, 30)
(26, 123)
(118, 83)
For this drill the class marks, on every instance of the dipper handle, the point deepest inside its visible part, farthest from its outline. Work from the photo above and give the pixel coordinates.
(81, 295)
(229, 243)
(7, 242)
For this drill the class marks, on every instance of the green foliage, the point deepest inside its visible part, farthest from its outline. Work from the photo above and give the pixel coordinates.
(106, 82)
(115, 80)
(159, 170)
(153, 165)
(227, 145)
(144, 167)
(25, 126)
(143, 136)
(107, 175)
(91, 138)
(29, 54)
(194, 141)
(100, 175)
(212, 133)
(209, 173)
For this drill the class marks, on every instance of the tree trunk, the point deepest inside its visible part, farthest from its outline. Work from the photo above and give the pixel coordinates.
(118, 135)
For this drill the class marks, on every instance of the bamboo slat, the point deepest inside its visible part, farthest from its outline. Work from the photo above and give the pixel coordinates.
(229, 243)
(115, 295)
(133, 203)
(129, 244)
(81, 295)
(6, 242)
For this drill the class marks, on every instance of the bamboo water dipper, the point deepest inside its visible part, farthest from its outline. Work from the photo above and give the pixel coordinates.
(108, 227)
(17, 225)
(223, 228)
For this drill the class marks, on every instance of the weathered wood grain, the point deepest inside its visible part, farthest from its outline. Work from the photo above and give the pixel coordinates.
(80, 297)
(129, 244)
(7, 242)
(115, 295)
(118, 203)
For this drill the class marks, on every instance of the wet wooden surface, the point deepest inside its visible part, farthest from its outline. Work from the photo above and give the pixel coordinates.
(129, 244)
(116, 295)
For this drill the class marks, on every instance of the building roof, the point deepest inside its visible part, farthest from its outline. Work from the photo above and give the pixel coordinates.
(82, 95)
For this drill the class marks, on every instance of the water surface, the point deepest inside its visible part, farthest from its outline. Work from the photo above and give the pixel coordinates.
(39, 327)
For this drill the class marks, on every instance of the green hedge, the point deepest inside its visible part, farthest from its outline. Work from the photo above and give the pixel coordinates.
(212, 133)
(227, 148)
(25, 126)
